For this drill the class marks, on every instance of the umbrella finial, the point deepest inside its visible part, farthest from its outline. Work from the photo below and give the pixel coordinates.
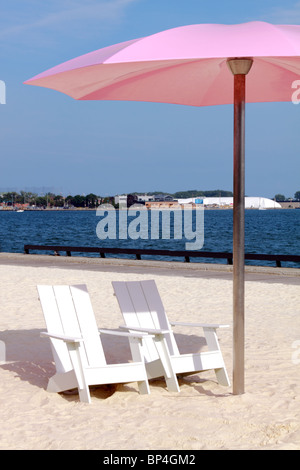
(240, 65)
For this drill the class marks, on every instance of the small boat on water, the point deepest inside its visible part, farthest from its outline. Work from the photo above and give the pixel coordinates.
(20, 210)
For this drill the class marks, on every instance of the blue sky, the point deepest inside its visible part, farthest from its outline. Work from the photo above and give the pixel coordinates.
(50, 142)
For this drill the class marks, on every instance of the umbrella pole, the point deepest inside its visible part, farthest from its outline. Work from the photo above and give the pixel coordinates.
(239, 68)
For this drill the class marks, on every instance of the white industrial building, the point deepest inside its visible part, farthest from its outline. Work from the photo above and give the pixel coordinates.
(250, 202)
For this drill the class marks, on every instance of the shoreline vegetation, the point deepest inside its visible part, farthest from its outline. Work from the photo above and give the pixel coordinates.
(75, 209)
(14, 201)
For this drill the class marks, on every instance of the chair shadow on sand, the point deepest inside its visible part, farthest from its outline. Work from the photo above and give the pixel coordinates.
(29, 357)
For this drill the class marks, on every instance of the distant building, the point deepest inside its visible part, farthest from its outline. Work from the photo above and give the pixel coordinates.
(121, 199)
(163, 197)
(250, 202)
(145, 197)
(163, 205)
(126, 200)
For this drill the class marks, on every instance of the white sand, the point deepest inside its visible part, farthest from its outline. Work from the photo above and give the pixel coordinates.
(204, 415)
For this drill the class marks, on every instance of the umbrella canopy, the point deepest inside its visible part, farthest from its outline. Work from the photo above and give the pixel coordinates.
(194, 65)
(184, 65)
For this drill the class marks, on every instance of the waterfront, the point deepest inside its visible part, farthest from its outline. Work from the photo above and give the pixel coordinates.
(268, 232)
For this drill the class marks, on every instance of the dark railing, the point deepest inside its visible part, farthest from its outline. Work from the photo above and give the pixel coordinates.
(180, 254)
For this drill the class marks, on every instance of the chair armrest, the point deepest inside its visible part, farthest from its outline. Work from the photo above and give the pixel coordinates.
(152, 331)
(122, 333)
(67, 339)
(203, 325)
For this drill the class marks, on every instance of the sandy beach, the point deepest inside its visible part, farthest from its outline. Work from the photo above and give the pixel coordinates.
(204, 415)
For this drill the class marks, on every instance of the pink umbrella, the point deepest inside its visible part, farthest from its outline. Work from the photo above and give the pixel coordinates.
(191, 65)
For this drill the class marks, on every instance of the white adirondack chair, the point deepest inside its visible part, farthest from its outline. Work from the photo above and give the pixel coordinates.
(77, 347)
(142, 310)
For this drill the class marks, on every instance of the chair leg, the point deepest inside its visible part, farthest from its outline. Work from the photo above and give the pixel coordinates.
(163, 351)
(83, 388)
(84, 395)
(137, 356)
(144, 388)
(222, 376)
(213, 345)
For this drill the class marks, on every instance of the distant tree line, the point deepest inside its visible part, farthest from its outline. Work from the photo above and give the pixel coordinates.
(282, 198)
(196, 193)
(52, 200)
(192, 193)
(92, 200)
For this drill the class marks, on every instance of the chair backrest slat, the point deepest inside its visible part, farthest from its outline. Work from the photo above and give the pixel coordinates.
(88, 326)
(158, 313)
(68, 310)
(136, 313)
(146, 318)
(141, 306)
(54, 325)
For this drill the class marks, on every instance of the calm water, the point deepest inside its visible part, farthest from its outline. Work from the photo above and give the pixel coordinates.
(270, 232)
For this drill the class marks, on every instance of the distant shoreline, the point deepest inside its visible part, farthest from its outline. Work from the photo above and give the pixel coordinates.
(284, 205)
(160, 209)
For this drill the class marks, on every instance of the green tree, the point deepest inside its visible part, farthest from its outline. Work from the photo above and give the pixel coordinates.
(91, 200)
(41, 201)
(58, 201)
(187, 194)
(77, 201)
(28, 197)
(279, 197)
(297, 195)
(68, 200)
(10, 198)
